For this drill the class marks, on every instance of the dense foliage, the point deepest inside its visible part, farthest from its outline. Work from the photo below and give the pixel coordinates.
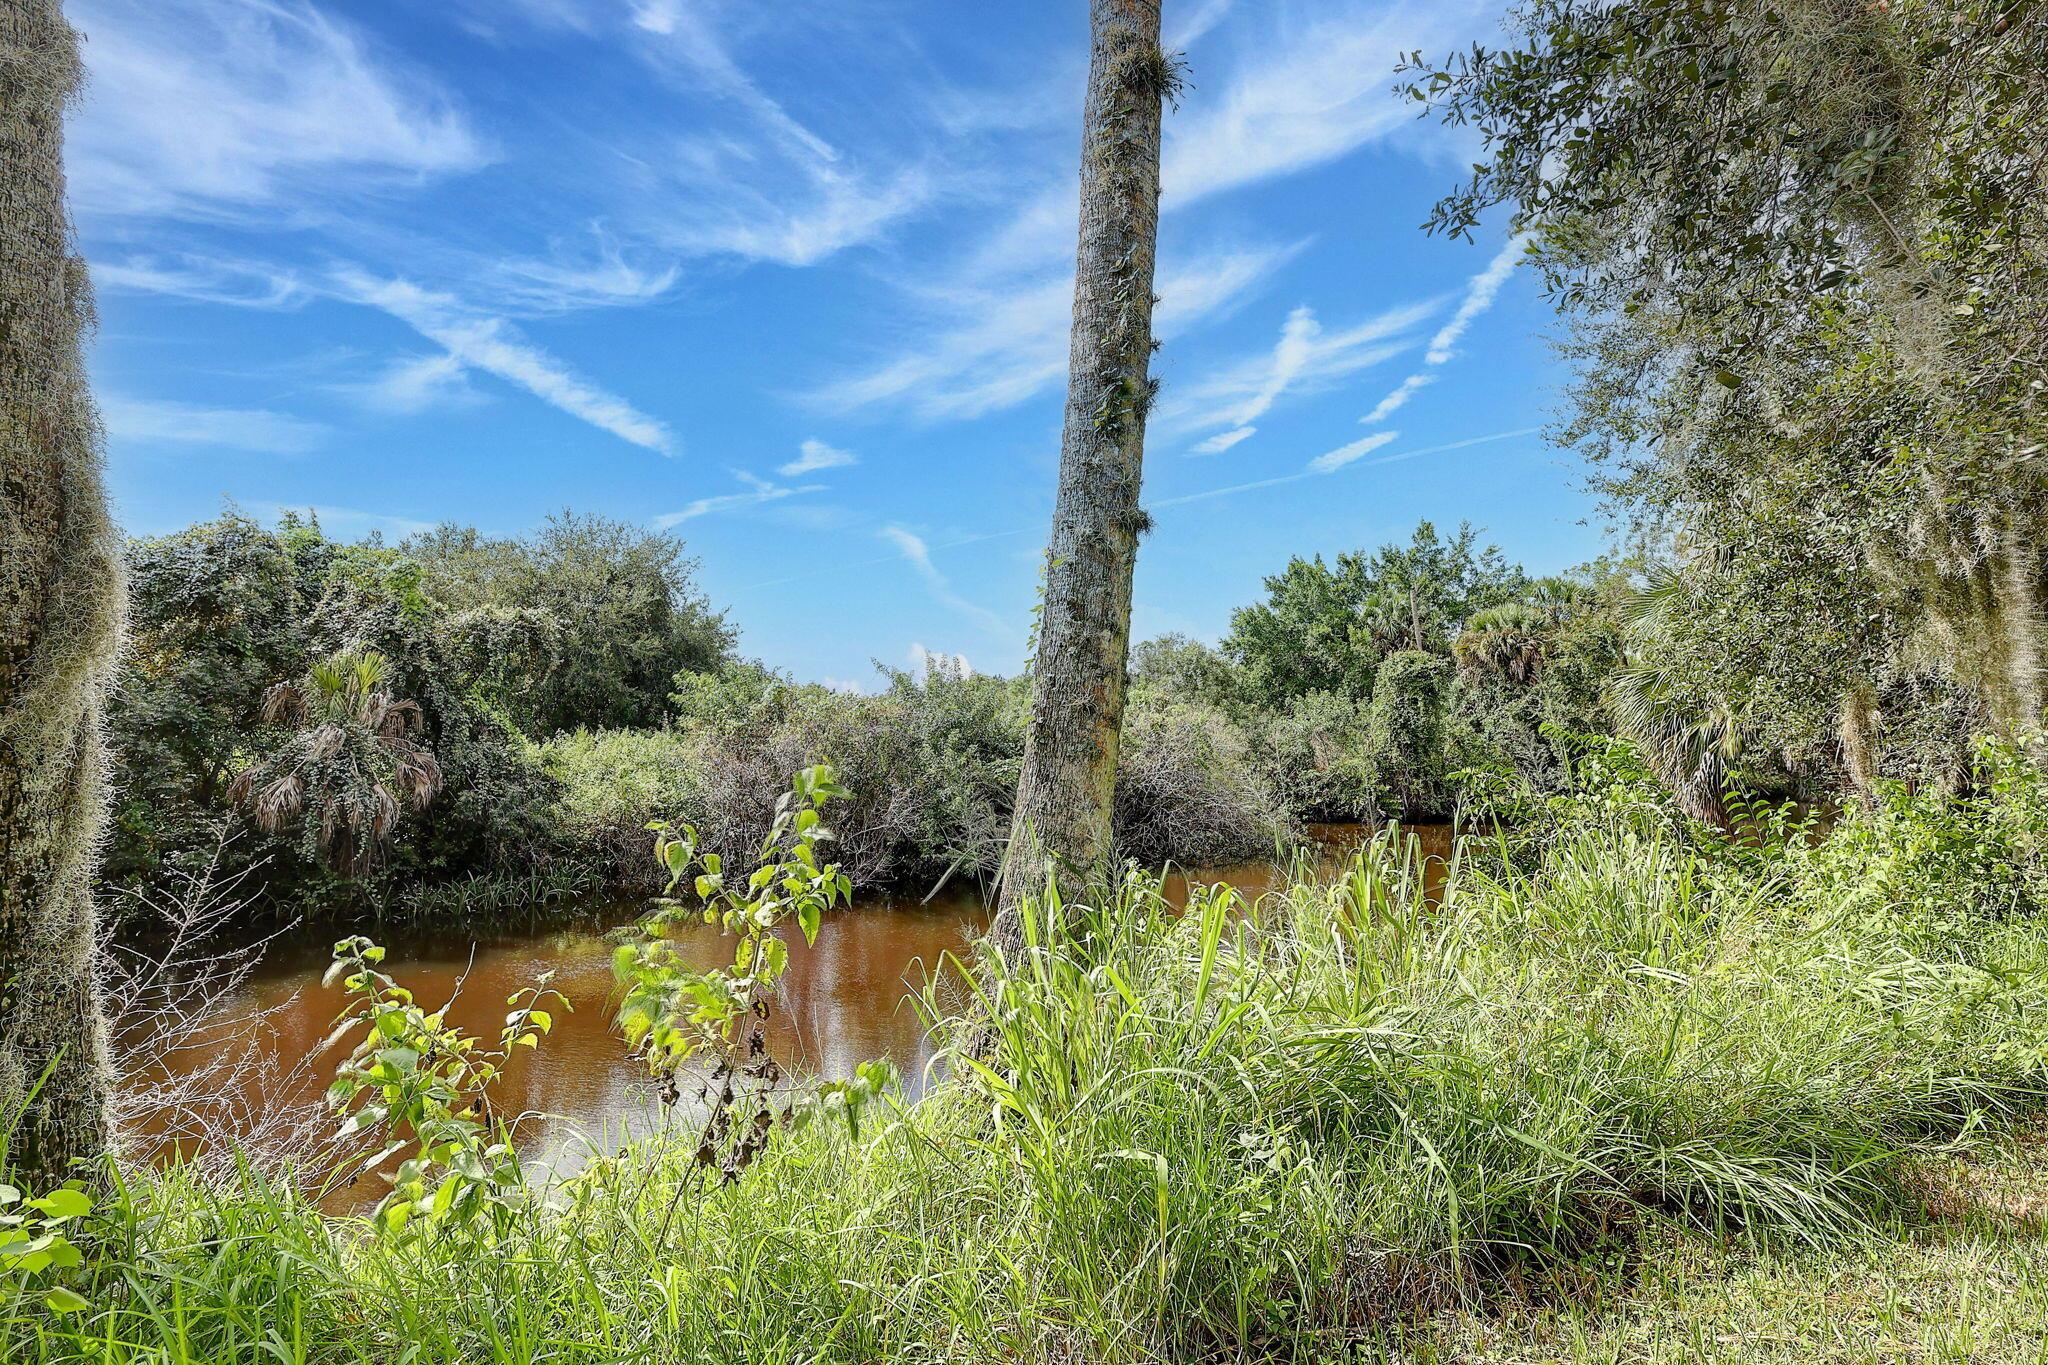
(1343, 1119)
(225, 612)
(536, 701)
(929, 764)
(1372, 686)
(586, 622)
(1802, 248)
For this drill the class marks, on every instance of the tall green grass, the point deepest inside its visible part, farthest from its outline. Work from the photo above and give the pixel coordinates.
(1285, 1130)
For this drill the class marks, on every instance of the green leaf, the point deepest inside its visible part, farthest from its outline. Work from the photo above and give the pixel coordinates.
(807, 918)
(62, 1300)
(59, 1205)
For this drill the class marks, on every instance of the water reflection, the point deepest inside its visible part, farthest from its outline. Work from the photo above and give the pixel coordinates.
(844, 1000)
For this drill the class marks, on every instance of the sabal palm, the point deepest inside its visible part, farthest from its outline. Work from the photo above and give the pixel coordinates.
(1506, 641)
(1690, 745)
(353, 763)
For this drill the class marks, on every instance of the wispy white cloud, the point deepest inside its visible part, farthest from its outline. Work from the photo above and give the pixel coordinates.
(1182, 499)
(1306, 94)
(226, 106)
(1480, 292)
(1398, 398)
(1224, 440)
(1014, 344)
(814, 455)
(913, 548)
(1195, 25)
(1479, 295)
(240, 284)
(1400, 455)
(1307, 358)
(1336, 459)
(604, 277)
(1313, 472)
(767, 187)
(1291, 355)
(798, 217)
(759, 491)
(419, 383)
(1300, 93)
(696, 42)
(155, 422)
(495, 347)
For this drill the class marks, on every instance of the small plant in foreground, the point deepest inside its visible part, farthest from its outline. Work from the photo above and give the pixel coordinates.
(673, 1013)
(416, 1078)
(33, 1243)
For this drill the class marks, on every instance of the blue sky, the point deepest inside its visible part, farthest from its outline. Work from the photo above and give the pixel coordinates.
(793, 279)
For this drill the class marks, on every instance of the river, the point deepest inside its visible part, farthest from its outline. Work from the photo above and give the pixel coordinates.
(843, 1000)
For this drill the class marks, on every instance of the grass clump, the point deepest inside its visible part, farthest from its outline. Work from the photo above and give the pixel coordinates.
(1570, 1102)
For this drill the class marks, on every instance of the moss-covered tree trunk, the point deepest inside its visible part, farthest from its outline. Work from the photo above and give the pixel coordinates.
(60, 608)
(1067, 791)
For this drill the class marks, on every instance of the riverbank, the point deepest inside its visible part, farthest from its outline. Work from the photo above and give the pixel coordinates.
(1614, 1081)
(843, 1000)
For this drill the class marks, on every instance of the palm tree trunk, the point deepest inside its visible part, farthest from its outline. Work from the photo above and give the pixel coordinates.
(60, 609)
(1067, 789)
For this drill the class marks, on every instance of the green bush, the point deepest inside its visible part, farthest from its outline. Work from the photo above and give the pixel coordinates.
(1314, 755)
(1188, 790)
(1940, 860)
(613, 782)
(930, 767)
(1409, 743)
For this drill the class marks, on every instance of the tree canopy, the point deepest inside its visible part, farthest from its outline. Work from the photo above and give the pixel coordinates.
(1802, 246)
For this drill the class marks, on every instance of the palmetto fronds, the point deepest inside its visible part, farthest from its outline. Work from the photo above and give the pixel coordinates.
(353, 762)
(1506, 641)
(1689, 743)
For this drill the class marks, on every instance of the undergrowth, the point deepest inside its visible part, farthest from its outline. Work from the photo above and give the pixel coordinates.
(1317, 1127)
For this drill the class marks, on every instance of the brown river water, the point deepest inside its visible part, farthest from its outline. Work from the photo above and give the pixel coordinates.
(843, 1001)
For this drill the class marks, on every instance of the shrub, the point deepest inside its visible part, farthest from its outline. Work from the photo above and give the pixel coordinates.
(1937, 859)
(613, 782)
(1188, 790)
(929, 767)
(1313, 755)
(1408, 733)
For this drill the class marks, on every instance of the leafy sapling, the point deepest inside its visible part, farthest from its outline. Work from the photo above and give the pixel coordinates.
(34, 1248)
(425, 1085)
(712, 1024)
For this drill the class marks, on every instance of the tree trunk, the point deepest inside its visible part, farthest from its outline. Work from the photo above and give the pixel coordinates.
(1068, 786)
(60, 611)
